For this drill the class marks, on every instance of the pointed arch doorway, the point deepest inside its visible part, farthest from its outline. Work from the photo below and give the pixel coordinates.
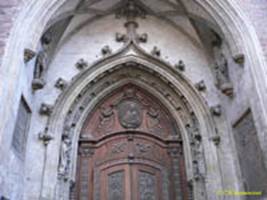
(130, 149)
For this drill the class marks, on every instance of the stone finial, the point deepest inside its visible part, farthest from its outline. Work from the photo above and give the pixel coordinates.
(180, 65)
(81, 64)
(38, 83)
(45, 137)
(156, 52)
(201, 86)
(28, 55)
(46, 109)
(216, 139)
(216, 110)
(61, 84)
(239, 59)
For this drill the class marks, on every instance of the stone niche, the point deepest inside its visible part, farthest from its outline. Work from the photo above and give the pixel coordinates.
(253, 171)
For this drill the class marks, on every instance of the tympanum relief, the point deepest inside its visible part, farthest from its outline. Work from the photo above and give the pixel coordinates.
(129, 109)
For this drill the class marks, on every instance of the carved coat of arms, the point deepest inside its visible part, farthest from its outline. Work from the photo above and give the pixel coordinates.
(130, 114)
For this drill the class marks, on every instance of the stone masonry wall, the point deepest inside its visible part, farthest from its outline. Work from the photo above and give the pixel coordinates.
(9, 9)
(256, 11)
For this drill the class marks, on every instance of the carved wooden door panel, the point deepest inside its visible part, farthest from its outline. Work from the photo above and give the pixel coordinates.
(146, 183)
(130, 181)
(130, 149)
(115, 183)
(131, 166)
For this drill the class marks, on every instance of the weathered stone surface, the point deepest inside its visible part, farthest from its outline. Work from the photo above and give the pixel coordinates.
(251, 161)
(22, 180)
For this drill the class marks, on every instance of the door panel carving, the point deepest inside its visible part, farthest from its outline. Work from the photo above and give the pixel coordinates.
(129, 108)
(131, 154)
(133, 167)
(116, 186)
(147, 186)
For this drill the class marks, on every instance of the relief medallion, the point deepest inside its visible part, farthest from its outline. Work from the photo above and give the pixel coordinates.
(130, 114)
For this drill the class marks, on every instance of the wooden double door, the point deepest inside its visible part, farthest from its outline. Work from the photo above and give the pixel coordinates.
(133, 181)
(131, 166)
(130, 150)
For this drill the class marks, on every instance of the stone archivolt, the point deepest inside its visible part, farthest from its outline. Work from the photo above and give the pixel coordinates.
(124, 104)
(121, 87)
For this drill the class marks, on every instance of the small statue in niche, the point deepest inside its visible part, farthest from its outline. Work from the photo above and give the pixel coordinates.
(153, 120)
(222, 71)
(41, 62)
(39, 69)
(196, 148)
(65, 155)
(106, 119)
(196, 170)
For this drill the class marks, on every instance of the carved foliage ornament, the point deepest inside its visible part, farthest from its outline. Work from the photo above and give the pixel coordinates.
(81, 64)
(45, 137)
(28, 55)
(46, 109)
(61, 84)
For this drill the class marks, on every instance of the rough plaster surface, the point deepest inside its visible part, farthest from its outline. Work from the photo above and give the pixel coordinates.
(18, 178)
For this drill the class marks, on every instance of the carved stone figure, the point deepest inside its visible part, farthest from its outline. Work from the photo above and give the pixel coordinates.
(222, 72)
(64, 155)
(39, 69)
(196, 171)
(199, 168)
(130, 114)
(106, 118)
(216, 139)
(153, 120)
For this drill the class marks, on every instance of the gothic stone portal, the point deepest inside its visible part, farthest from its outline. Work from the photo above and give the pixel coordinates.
(130, 149)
